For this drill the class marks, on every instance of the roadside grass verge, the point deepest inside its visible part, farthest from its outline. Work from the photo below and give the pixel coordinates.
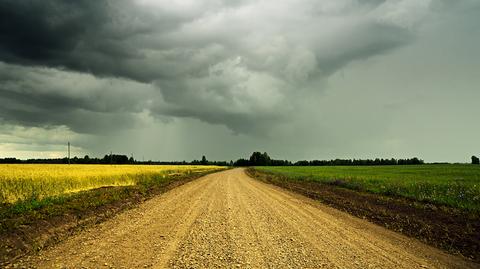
(453, 228)
(30, 225)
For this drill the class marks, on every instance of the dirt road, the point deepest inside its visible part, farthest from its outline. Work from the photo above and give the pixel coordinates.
(228, 220)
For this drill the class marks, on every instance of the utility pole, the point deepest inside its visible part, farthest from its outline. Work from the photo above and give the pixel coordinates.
(68, 152)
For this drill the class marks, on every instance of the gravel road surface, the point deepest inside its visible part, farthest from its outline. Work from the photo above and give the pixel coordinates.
(228, 220)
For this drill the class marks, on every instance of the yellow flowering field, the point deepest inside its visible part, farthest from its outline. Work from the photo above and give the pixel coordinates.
(37, 181)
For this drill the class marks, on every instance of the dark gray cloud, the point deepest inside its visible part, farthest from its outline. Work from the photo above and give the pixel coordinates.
(49, 32)
(99, 67)
(100, 37)
(49, 97)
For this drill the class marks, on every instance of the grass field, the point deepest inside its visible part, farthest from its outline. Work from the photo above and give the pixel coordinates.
(450, 184)
(24, 182)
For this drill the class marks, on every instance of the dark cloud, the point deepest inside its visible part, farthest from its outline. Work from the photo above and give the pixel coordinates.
(98, 37)
(242, 64)
(101, 66)
(47, 32)
(236, 64)
(49, 97)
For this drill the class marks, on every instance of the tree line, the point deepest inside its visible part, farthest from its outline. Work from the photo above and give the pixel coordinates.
(262, 159)
(112, 159)
(108, 159)
(256, 159)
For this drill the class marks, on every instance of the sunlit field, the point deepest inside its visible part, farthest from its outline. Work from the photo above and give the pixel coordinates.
(21, 182)
(450, 184)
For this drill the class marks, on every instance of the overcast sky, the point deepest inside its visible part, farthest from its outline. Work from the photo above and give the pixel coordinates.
(300, 79)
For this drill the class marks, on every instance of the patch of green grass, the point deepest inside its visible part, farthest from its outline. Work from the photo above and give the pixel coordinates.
(455, 185)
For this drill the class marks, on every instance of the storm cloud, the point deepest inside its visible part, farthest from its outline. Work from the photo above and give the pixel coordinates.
(100, 67)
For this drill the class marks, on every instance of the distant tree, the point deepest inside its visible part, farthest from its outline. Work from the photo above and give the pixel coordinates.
(259, 159)
(241, 162)
(416, 161)
(204, 160)
(475, 160)
(10, 160)
(115, 159)
(302, 163)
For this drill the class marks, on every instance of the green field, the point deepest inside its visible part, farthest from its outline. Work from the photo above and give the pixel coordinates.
(455, 185)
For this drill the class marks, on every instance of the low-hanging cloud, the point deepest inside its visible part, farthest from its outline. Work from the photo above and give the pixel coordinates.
(49, 97)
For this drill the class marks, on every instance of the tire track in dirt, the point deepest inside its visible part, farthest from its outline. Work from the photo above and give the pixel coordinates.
(228, 220)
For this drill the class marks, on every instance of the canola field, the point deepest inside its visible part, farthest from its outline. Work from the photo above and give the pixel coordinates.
(22, 182)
